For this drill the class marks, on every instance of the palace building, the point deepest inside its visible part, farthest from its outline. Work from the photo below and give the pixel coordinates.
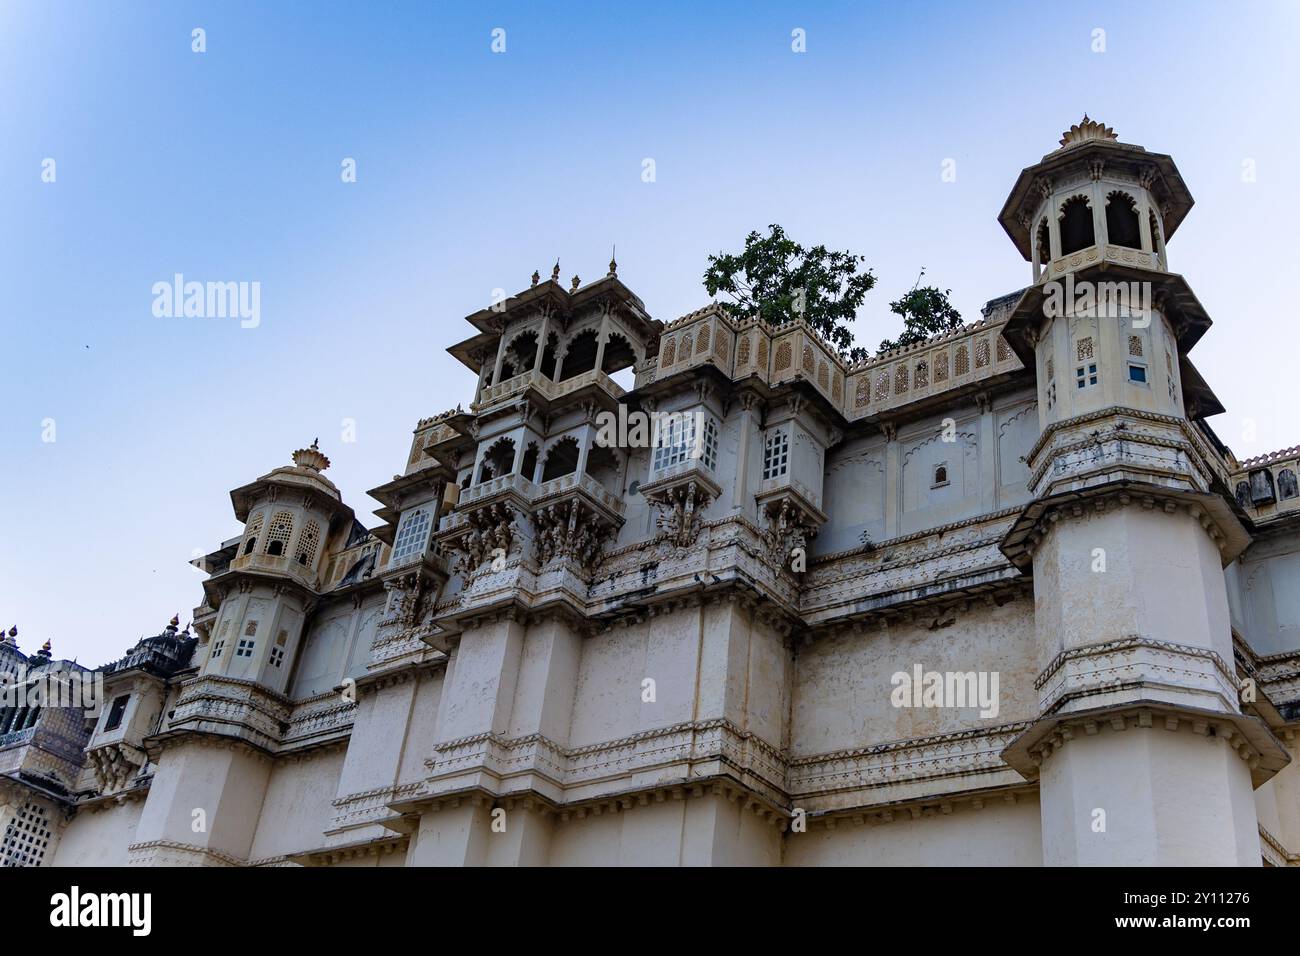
(998, 598)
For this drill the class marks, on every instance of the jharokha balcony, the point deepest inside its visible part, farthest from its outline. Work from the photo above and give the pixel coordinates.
(278, 564)
(563, 512)
(544, 390)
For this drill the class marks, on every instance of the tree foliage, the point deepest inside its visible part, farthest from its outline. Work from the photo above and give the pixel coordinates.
(779, 280)
(926, 312)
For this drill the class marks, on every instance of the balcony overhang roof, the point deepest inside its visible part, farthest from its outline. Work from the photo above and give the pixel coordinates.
(1174, 297)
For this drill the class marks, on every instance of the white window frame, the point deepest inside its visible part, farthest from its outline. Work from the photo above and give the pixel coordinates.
(409, 545)
(776, 454)
(679, 437)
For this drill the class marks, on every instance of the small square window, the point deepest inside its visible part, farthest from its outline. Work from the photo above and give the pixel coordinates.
(940, 475)
(245, 649)
(1137, 373)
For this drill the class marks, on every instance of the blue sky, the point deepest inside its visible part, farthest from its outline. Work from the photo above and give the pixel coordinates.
(474, 168)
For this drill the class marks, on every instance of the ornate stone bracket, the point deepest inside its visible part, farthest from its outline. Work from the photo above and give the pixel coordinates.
(487, 533)
(679, 507)
(115, 765)
(789, 530)
(569, 530)
(404, 599)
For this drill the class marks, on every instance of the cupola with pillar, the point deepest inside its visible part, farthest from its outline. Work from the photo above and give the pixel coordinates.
(263, 599)
(1129, 528)
(1104, 322)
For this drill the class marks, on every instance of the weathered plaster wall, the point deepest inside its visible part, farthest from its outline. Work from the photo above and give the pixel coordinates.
(1000, 833)
(842, 683)
(99, 836)
(297, 806)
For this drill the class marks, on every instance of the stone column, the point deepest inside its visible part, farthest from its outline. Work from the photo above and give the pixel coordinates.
(893, 481)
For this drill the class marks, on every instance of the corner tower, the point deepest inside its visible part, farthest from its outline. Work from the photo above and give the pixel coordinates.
(274, 578)
(214, 749)
(1142, 751)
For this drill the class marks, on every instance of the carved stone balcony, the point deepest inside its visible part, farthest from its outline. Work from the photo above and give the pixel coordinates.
(229, 707)
(279, 564)
(1094, 254)
(502, 487)
(573, 517)
(680, 493)
(544, 390)
(586, 485)
(570, 516)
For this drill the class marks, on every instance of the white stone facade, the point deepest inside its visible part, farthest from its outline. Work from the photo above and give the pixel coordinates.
(685, 647)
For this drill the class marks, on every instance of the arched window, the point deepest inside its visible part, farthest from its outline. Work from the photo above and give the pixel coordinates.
(561, 459)
(547, 367)
(277, 535)
(1286, 484)
(308, 542)
(251, 533)
(940, 475)
(498, 461)
(1242, 494)
(618, 355)
(522, 352)
(580, 357)
(1076, 225)
(603, 465)
(1122, 227)
(529, 465)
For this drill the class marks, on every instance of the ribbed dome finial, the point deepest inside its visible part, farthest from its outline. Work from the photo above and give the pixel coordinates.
(1086, 130)
(311, 457)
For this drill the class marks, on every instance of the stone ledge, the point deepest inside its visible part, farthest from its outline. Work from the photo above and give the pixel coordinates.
(1248, 736)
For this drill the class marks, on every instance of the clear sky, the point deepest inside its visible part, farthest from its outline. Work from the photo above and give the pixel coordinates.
(474, 168)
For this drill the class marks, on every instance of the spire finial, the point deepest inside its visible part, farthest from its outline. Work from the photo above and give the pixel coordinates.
(45, 650)
(555, 273)
(574, 283)
(613, 263)
(1086, 130)
(311, 457)
(537, 277)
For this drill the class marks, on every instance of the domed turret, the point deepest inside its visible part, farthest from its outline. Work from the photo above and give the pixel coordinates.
(289, 515)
